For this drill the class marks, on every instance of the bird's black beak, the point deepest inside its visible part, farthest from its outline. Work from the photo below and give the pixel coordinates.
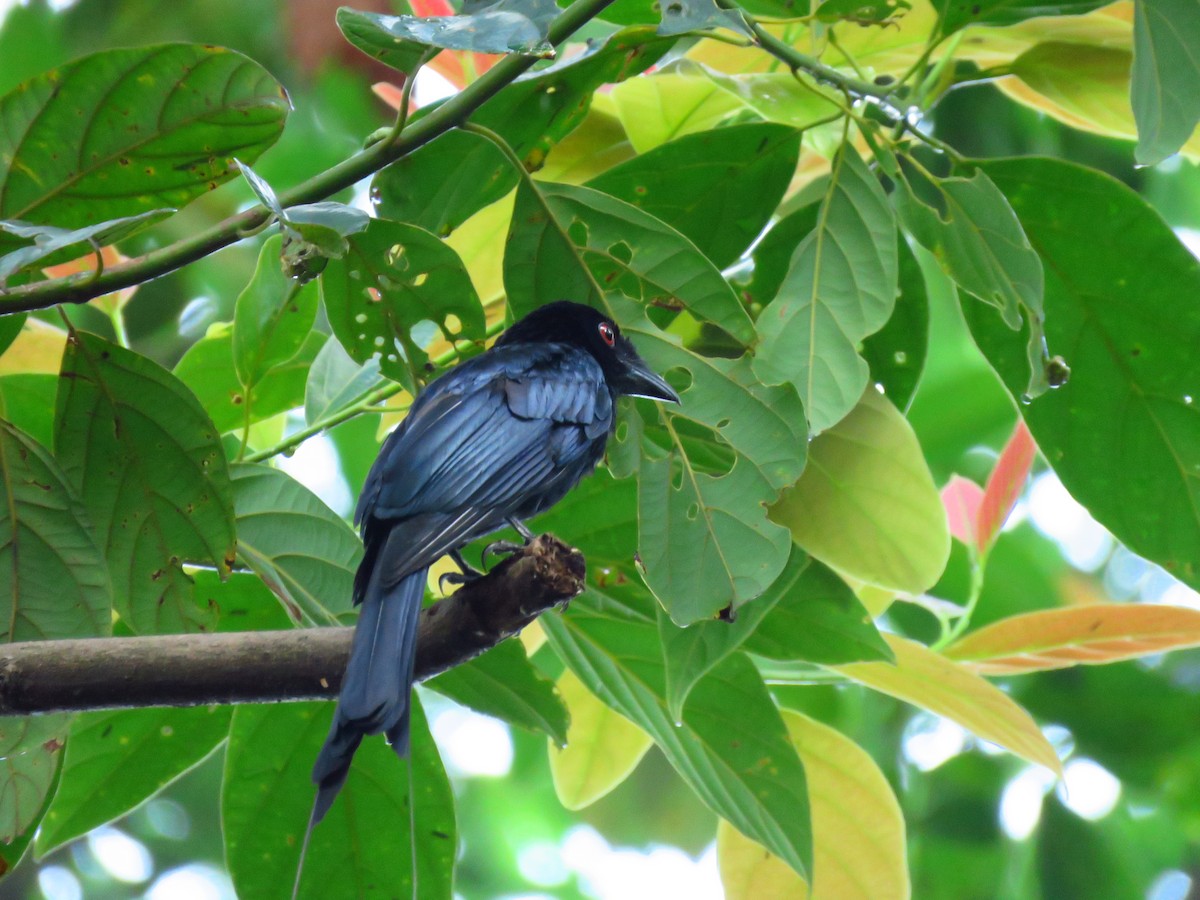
(639, 380)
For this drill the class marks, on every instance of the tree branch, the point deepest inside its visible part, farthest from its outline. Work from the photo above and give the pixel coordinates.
(86, 286)
(270, 666)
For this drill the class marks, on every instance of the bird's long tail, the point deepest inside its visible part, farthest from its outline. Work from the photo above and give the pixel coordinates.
(376, 690)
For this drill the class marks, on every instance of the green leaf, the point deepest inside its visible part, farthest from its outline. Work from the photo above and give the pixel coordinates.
(1121, 434)
(872, 12)
(716, 188)
(867, 505)
(814, 616)
(29, 758)
(337, 218)
(682, 16)
(52, 574)
(303, 551)
(956, 14)
(486, 26)
(896, 352)
(1166, 69)
(207, 368)
(48, 240)
(363, 844)
(335, 381)
(272, 319)
(840, 287)
(975, 235)
(394, 277)
(576, 242)
(148, 464)
(504, 683)
(10, 326)
(122, 132)
(27, 401)
(261, 188)
(117, 760)
(731, 746)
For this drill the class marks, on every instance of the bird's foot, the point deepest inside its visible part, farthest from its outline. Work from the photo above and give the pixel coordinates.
(458, 578)
(500, 548)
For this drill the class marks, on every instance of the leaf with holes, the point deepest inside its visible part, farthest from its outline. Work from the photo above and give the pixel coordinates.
(51, 243)
(609, 640)
(504, 683)
(576, 242)
(335, 381)
(52, 575)
(896, 352)
(148, 464)
(394, 278)
(1166, 68)
(866, 505)
(969, 226)
(840, 287)
(947, 688)
(365, 839)
(272, 318)
(1090, 635)
(682, 16)
(1122, 433)
(303, 551)
(116, 760)
(121, 132)
(717, 188)
(602, 748)
(859, 848)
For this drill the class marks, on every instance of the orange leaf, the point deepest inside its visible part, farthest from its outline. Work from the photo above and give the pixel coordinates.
(1004, 485)
(1057, 638)
(962, 499)
(948, 688)
(110, 256)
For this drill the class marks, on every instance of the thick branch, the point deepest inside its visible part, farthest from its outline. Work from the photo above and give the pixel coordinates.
(88, 285)
(269, 666)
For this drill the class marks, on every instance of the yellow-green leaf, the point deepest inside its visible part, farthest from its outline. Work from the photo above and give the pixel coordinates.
(867, 505)
(947, 688)
(603, 747)
(858, 829)
(1094, 634)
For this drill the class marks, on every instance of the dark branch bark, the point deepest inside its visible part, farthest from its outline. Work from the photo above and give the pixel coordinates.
(270, 666)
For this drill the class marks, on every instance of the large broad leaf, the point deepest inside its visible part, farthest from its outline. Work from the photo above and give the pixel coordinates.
(1166, 69)
(116, 760)
(207, 368)
(840, 287)
(303, 551)
(1122, 433)
(504, 683)
(393, 278)
(486, 26)
(717, 188)
(30, 753)
(578, 243)
(53, 579)
(896, 352)
(364, 845)
(148, 464)
(756, 781)
(603, 747)
(683, 16)
(122, 132)
(858, 829)
(956, 14)
(942, 686)
(972, 231)
(1094, 634)
(272, 318)
(867, 505)
(335, 381)
(442, 184)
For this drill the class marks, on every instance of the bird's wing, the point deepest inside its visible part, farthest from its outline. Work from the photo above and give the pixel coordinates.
(479, 445)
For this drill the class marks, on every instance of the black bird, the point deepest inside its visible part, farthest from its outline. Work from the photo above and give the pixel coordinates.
(496, 440)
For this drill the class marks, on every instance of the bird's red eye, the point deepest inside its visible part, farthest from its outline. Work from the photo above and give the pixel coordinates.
(607, 334)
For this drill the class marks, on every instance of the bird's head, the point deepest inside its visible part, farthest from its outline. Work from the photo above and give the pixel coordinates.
(564, 322)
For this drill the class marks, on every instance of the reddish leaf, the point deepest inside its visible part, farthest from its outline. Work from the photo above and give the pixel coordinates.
(1004, 485)
(962, 499)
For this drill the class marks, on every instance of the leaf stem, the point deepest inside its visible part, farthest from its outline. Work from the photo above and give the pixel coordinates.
(455, 111)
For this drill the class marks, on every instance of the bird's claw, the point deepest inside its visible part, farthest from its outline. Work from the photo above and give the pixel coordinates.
(457, 578)
(500, 548)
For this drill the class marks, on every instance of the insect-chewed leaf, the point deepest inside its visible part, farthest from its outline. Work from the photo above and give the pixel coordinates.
(149, 467)
(680, 16)
(53, 579)
(1094, 634)
(122, 132)
(948, 688)
(840, 287)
